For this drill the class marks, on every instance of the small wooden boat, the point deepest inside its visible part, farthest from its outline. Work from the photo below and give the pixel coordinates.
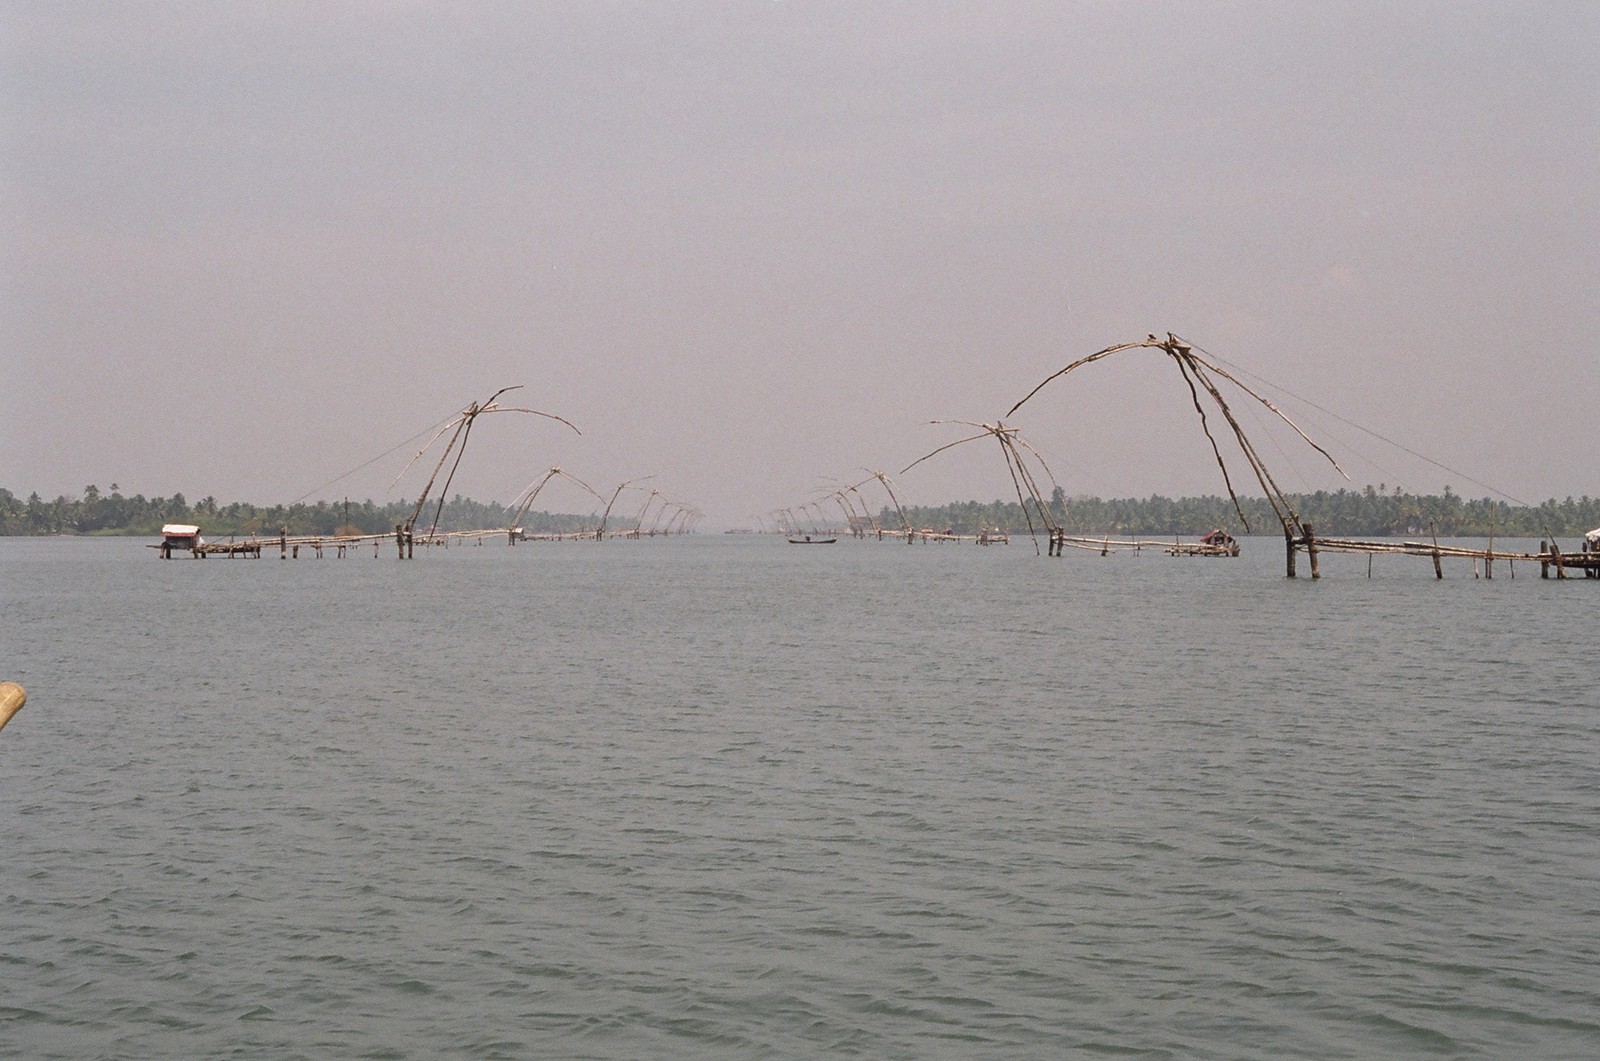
(809, 540)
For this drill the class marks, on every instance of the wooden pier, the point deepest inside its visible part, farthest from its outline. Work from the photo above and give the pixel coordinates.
(289, 546)
(1552, 560)
(1105, 545)
(318, 545)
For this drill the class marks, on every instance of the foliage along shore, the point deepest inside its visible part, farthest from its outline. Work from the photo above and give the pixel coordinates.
(113, 514)
(1373, 511)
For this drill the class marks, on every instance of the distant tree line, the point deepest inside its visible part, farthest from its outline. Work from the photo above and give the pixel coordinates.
(113, 513)
(1372, 512)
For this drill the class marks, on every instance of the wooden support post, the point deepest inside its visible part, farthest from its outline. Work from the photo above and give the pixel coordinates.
(1544, 562)
(400, 540)
(283, 546)
(1311, 550)
(1438, 570)
(1288, 544)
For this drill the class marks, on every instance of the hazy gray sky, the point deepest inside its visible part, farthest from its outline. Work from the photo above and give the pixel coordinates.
(748, 246)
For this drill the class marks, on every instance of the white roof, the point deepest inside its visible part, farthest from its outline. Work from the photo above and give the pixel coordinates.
(1593, 536)
(179, 530)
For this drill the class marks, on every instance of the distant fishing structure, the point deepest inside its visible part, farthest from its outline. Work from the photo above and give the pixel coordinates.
(848, 495)
(812, 518)
(681, 519)
(187, 538)
(1201, 374)
(523, 501)
(1015, 450)
(460, 429)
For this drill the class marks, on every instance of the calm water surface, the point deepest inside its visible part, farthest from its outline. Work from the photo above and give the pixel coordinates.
(723, 797)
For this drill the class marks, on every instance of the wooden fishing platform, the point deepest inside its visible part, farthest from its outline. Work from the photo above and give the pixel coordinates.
(290, 546)
(318, 545)
(1552, 560)
(1201, 549)
(1105, 545)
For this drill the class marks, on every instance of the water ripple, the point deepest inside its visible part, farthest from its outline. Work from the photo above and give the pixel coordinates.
(710, 799)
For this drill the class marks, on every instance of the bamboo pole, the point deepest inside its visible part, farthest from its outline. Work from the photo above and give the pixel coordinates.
(12, 697)
(1488, 559)
(1355, 545)
(1555, 555)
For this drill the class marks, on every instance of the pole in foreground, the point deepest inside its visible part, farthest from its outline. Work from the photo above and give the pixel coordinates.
(12, 697)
